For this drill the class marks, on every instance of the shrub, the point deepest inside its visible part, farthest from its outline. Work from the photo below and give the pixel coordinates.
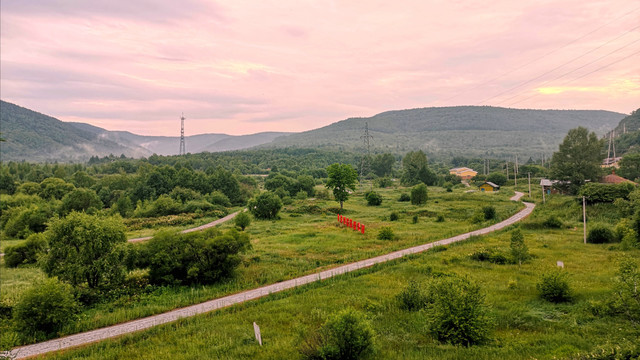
(627, 293)
(552, 222)
(384, 182)
(497, 178)
(25, 221)
(440, 218)
(519, 249)
(345, 335)
(199, 205)
(596, 192)
(265, 206)
(414, 219)
(419, 194)
(44, 309)
(489, 212)
(404, 197)
(198, 257)
(80, 200)
(600, 234)
(489, 255)
(386, 233)
(373, 198)
(26, 253)
(322, 194)
(218, 198)
(301, 195)
(242, 220)
(412, 298)
(393, 216)
(554, 287)
(457, 312)
(183, 195)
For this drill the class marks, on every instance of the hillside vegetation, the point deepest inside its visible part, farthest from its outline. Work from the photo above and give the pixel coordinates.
(463, 130)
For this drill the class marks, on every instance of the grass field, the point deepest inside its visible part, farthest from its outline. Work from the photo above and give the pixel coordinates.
(526, 327)
(307, 237)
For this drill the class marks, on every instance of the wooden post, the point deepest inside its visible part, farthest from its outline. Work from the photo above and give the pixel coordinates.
(543, 198)
(256, 330)
(584, 219)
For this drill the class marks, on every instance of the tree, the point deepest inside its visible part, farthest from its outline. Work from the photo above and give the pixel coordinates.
(415, 168)
(85, 248)
(419, 194)
(382, 164)
(457, 312)
(55, 188)
(45, 308)
(265, 206)
(242, 220)
(80, 200)
(519, 249)
(578, 158)
(497, 178)
(630, 166)
(342, 179)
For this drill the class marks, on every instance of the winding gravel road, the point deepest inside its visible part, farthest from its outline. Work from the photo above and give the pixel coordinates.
(173, 315)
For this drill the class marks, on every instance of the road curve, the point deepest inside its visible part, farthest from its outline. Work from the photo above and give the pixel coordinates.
(199, 228)
(173, 315)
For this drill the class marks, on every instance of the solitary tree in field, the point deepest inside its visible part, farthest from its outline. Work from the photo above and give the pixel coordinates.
(519, 249)
(342, 178)
(578, 158)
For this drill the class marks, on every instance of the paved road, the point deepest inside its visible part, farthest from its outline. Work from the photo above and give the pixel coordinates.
(148, 322)
(205, 226)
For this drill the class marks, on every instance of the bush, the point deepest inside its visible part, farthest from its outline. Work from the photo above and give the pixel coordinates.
(346, 335)
(404, 197)
(489, 212)
(393, 216)
(519, 249)
(81, 200)
(384, 182)
(596, 192)
(440, 218)
(600, 234)
(199, 205)
(322, 194)
(497, 178)
(554, 287)
(301, 195)
(412, 298)
(414, 219)
(44, 309)
(457, 312)
(386, 233)
(552, 222)
(419, 194)
(26, 253)
(265, 206)
(26, 221)
(373, 198)
(218, 198)
(242, 220)
(627, 293)
(198, 257)
(489, 255)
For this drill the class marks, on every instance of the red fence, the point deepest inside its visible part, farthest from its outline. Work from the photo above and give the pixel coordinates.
(351, 223)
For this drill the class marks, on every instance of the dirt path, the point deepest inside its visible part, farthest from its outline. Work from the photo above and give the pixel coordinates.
(205, 226)
(173, 315)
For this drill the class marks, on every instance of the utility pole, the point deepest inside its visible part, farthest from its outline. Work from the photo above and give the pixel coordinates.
(584, 219)
(529, 176)
(544, 201)
(182, 148)
(364, 164)
(507, 166)
(515, 173)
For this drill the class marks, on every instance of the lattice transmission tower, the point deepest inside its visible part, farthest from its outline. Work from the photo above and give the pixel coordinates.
(364, 164)
(182, 148)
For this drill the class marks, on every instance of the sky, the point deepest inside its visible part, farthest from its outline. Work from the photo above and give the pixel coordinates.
(241, 67)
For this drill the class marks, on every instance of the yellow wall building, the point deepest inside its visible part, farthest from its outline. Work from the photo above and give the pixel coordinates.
(489, 187)
(464, 173)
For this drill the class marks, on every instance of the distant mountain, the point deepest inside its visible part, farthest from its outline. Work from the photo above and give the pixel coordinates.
(627, 134)
(33, 136)
(462, 130)
(629, 123)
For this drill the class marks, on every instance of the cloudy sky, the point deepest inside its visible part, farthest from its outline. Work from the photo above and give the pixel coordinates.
(241, 67)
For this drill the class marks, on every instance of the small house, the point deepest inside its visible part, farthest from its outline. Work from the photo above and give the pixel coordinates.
(463, 172)
(489, 187)
(615, 179)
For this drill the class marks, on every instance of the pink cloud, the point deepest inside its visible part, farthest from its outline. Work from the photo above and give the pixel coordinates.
(239, 67)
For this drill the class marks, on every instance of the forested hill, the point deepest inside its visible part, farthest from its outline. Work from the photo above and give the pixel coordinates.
(463, 130)
(34, 136)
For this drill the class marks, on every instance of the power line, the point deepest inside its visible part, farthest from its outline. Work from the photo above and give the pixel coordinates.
(580, 77)
(576, 69)
(543, 56)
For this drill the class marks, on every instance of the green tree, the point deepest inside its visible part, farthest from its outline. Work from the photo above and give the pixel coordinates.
(342, 179)
(457, 312)
(578, 159)
(415, 168)
(382, 164)
(86, 248)
(54, 188)
(519, 249)
(630, 166)
(45, 308)
(419, 194)
(497, 178)
(627, 289)
(242, 220)
(80, 199)
(265, 206)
